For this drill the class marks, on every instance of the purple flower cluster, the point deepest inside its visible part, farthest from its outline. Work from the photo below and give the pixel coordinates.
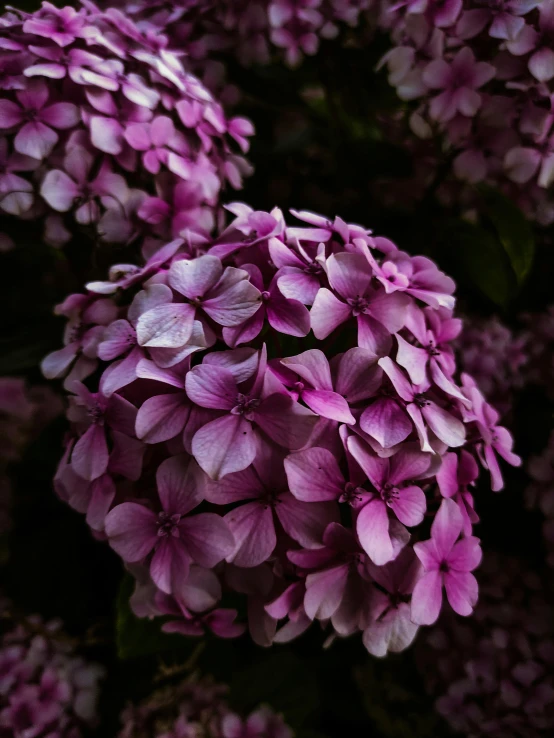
(198, 708)
(103, 128)
(253, 31)
(278, 414)
(24, 412)
(46, 691)
(540, 493)
(498, 667)
(497, 357)
(482, 73)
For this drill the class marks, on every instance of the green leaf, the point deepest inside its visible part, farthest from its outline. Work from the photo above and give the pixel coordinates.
(483, 261)
(514, 232)
(137, 637)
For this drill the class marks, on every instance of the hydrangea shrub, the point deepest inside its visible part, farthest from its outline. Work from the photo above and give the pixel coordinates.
(104, 131)
(480, 75)
(198, 708)
(279, 414)
(46, 690)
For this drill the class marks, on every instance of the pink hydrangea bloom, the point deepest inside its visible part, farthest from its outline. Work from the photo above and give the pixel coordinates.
(99, 118)
(259, 450)
(47, 690)
(252, 31)
(480, 75)
(198, 707)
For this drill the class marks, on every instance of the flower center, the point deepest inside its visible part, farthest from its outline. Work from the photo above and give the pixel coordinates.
(245, 405)
(432, 349)
(350, 495)
(168, 525)
(444, 567)
(95, 413)
(420, 400)
(389, 493)
(358, 304)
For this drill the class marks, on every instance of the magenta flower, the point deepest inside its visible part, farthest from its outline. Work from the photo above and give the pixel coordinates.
(390, 479)
(494, 439)
(449, 563)
(16, 193)
(390, 628)
(228, 444)
(134, 531)
(225, 295)
(377, 313)
(459, 81)
(423, 410)
(454, 477)
(283, 314)
(253, 524)
(36, 137)
(62, 25)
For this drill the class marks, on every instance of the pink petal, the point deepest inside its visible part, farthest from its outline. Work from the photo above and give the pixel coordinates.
(212, 387)
(170, 564)
(376, 469)
(329, 405)
(409, 506)
(312, 365)
(10, 114)
(179, 485)
(132, 531)
(162, 417)
(61, 115)
(398, 378)
(386, 421)
(120, 373)
(195, 278)
(102, 496)
(446, 527)
(541, 64)
(314, 475)
(232, 305)
(327, 313)
(445, 426)
(462, 591)
(288, 316)
(166, 326)
(466, 554)
(90, 454)
(285, 421)
(324, 592)
(372, 527)
(349, 274)
(207, 538)
(137, 135)
(224, 445)
(36, 140)
(242, 485)
(305, 523)
(106, 135)
(447, 475)
(358, 376)
(254, 531)
(413, 359)
(373, 336)
(427, 598)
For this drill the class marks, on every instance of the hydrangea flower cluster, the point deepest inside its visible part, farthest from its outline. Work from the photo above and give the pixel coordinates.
(104, 129)
(540, 493)
(497, 667)
(497, 357)
(253, 31)
(24, 412)
(279, 414)
(198, 708)
(46, 691)
(481, 75)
